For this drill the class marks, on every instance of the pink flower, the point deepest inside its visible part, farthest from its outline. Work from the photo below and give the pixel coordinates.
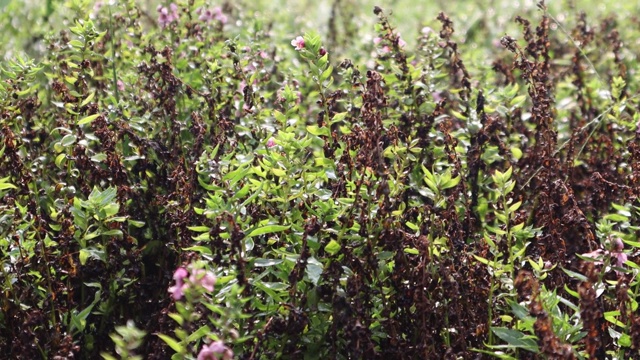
(177, 291)
(596, 255)
(426, 31)
(298, 43)
(203, 278)
(120, 85)
(617, 256)
(271, 142)
(211, 351)
(180, 274)
(167, 16)
(207, 15)
(377, 40)
(207, 353)
(97, 6)
(220, 16)
(617, 244)
(401, 43)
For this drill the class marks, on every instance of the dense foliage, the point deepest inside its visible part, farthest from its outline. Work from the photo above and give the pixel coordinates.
(182, 183)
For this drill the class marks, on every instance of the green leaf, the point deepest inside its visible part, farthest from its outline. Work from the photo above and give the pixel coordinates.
(482, 260)
(516, 338)
(516, 101)
(88, 99)
(135, 223)
(68, 140)
(412, 251)
(279, 172)
(450, 183)
(5, 185)
(59, 160)
(574, 274)
(338, 117)
(519, 311)
(177, 318)
(199, 249)
(84, 256)
(198, 334)
(515, 207)
(317, 131)
(516, 152)
(616, 217)
(332, 247)
(267, 262)
(325, 74)
(314, 271)
(175, 345)
(102, 198)
(412, 226)
(99, 157)
(88, 119)
(268, 229)
(272, 294)
(458, 115)
(199, 228)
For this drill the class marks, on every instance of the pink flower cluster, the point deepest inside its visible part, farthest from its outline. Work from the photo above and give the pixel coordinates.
(208, 15)
(167, 15)
(199, 278)
(215, 351)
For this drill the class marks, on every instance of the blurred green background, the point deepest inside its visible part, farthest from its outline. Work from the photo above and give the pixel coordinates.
(25, 23)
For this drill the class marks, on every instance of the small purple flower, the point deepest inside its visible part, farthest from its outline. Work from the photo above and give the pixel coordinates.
(322, 51)
(203, 278)
(180, 274)
(426, 31)
(167, 16)
(120, 85)
(596, 255)
(271, 142)
(619, 258)
(401, 43)
(616, 253)
(97, 6)
(207, 15)
(219, 15)
(298, 43)
(204, 15)
(215, 349)
(207, 353)
(177, 291)
(617, 244)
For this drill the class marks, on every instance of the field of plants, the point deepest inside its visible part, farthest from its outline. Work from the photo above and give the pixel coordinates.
(319, 180)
